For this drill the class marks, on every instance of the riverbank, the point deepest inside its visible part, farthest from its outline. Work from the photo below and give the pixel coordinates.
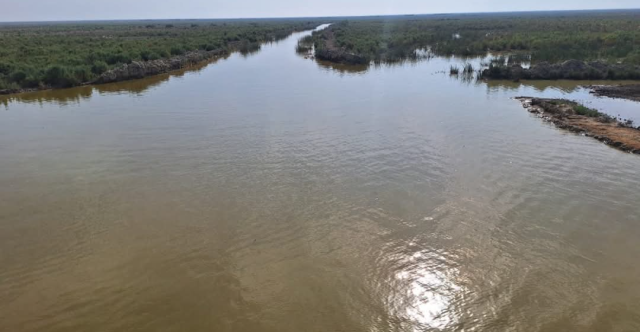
(141, 69)
(41, 56)
(630, 92)
(570, 69)
(573, 117)
(328, 50)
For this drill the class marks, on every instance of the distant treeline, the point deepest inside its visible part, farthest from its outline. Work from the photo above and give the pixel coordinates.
(69, 54)
(612, 36)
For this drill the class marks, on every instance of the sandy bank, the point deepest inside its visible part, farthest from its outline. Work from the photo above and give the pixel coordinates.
(576, 118)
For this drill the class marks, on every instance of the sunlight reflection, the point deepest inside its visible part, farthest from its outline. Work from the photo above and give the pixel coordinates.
(429, 291)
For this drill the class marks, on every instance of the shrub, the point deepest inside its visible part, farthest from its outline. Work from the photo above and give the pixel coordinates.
(58, 76)
(5, 68)
(211, 47)
(147, 55)
(31, 82)
(583, 110)
(81, 74)
(99, 67)
(8, 85)
(177, 50)
(116, 58)
(303, 48)
(18, 76)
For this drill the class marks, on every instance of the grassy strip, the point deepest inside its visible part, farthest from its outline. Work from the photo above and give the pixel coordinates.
(556, 106)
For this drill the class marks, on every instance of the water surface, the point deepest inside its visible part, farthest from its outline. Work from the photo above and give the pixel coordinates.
(269, 192)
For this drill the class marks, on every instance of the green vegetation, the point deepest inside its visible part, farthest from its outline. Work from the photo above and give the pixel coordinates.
(570, 69)
(468, 69)
(557, 106)
(305, 45)
(586, 111)
(612, 36)
(69, 54)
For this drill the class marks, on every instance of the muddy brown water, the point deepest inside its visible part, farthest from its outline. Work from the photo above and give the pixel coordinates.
(272, 193)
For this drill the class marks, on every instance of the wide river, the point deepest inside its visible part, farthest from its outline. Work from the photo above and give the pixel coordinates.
(269, 192)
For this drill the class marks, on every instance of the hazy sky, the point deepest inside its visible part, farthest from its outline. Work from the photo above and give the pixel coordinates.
(38, 10)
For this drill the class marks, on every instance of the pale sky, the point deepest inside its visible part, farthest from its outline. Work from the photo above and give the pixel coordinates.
(53, 10)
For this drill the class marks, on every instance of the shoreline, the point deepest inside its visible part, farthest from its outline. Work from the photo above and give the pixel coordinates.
(569, 69)
(330, 52)
(620, 91)
(142, 69)
(573, 117)
(138, 70)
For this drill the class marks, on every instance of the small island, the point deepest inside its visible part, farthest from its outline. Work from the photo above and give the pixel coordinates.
(571, 116)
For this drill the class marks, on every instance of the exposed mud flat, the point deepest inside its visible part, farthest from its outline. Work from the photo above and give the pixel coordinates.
(631, 92)
(570, 116)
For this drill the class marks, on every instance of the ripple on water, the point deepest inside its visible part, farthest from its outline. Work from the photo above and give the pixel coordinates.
(312, 200)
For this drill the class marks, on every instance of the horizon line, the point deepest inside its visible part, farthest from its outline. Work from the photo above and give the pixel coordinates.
(321, 17)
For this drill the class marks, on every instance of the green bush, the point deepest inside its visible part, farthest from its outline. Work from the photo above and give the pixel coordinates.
(177, 50)
(5, 68)
(18, 76)
(583, 110)
(99, 67)
(31, 82)
(81, 74)
(147, 55)
(57, 76)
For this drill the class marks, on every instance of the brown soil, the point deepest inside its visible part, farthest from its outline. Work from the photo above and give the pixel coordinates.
(631, 92)
(603, 128)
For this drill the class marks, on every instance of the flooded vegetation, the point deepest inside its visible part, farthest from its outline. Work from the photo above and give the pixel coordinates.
(602, 44)
(273, 191)
(571, 69)
(625, 91)
(305, 45)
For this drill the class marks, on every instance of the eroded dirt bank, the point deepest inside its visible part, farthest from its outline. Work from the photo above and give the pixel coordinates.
(140, 69)
(576, 118)
(631, 92)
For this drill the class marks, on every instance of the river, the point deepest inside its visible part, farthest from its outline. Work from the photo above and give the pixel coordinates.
(269, 192)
